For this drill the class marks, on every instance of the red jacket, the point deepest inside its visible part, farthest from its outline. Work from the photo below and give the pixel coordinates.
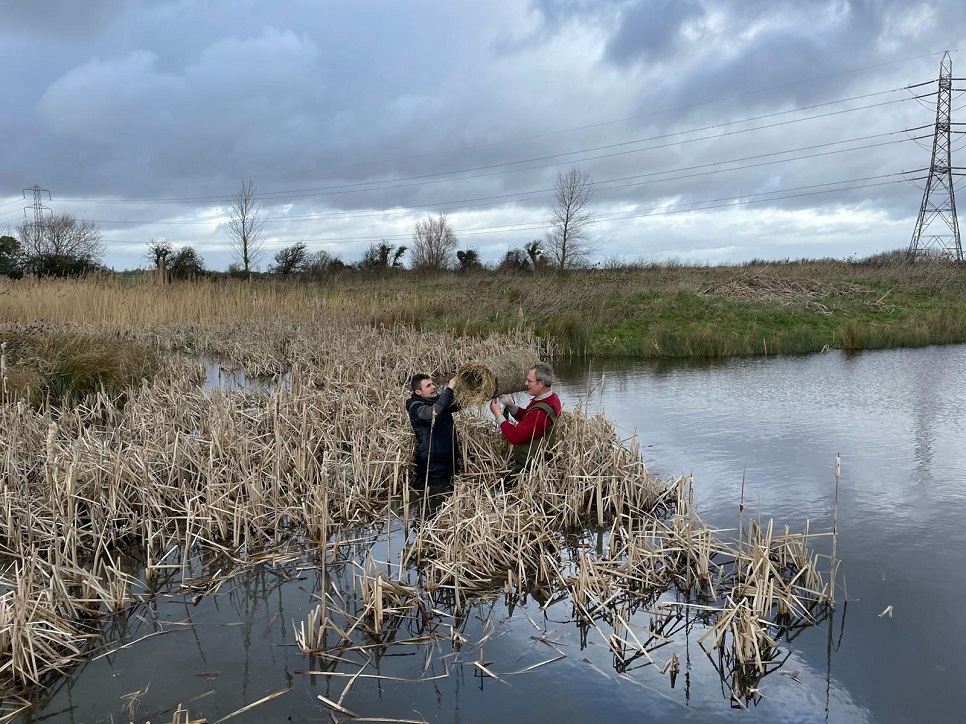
(531, 423)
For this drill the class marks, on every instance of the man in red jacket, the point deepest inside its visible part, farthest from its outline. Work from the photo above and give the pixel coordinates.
(525, 427)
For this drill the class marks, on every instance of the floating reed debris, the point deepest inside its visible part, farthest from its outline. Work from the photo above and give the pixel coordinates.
(487, 378)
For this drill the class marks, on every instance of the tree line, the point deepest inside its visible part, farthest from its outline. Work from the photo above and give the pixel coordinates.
(64, 246)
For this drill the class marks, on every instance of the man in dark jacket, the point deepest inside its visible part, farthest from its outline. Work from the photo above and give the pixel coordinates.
(437, 445)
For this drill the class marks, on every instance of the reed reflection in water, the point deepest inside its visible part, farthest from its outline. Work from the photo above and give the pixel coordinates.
(897, 418)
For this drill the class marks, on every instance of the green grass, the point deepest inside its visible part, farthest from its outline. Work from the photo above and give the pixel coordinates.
(690, 325)
(679, 311)
(645, 311)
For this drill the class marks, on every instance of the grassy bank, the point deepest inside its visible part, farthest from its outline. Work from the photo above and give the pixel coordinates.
(657, 311)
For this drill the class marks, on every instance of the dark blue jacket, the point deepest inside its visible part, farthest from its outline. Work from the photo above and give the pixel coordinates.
(437, 445)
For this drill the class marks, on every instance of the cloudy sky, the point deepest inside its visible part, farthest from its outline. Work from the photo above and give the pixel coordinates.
(714, 130)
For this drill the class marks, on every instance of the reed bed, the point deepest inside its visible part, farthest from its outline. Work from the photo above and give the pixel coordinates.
(309, 473)
(807, 293)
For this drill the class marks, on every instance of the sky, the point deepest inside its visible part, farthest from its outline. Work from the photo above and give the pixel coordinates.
(715, 131)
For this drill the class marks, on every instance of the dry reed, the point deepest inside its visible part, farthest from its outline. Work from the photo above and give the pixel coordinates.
(308, 472)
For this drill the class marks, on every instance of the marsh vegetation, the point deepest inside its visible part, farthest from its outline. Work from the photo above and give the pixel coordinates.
(670, 311)
(200, 487)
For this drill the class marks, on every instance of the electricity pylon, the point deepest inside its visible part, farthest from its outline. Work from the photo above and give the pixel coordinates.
(937, 229)
(38, 205)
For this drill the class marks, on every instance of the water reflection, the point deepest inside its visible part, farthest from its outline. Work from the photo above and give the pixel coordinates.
(232, 635)
(897, 418)
(218, 377)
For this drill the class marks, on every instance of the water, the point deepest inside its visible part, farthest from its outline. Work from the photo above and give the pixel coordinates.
(897, 419)
(771, 426)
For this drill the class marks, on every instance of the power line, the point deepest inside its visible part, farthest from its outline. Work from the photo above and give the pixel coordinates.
(443, 176)
(716, 167)
(650, 114)
(708, 204)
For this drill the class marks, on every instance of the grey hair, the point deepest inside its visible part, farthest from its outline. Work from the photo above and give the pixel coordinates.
(543, 373)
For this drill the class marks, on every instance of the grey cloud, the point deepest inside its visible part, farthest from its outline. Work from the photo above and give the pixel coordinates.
(651, 30)
(318, 102)
(556, 13)
(63, 20)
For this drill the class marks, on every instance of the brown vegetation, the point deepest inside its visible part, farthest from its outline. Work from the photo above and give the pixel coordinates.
(180, 472)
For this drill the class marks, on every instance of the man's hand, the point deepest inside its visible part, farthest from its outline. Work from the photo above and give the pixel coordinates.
(452, 384)
(495, 407)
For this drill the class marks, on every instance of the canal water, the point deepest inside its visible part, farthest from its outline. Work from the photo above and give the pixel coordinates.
(767, 429)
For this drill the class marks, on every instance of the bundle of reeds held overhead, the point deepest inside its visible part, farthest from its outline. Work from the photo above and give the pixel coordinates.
(481, 380)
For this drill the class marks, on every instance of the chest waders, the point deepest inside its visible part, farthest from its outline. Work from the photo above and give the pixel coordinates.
(523, 453)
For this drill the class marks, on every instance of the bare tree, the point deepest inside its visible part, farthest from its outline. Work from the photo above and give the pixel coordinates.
(245, 227)
(322, 264)
(514, 261)
(434, 244)
(570, 214)
(60, 246)
(160, 253)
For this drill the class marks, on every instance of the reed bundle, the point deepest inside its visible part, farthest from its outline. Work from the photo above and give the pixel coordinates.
(484, 379)
(301, 473)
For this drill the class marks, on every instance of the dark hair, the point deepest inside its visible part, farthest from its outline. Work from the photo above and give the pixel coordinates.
(543, 373)
(416, 382)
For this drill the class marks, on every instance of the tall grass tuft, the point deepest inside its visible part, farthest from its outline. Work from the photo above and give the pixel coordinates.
(945, 325)
(570, 331)
(801, 339)
(60, 366)
(850, 335)
(705, 341)
(667, 342)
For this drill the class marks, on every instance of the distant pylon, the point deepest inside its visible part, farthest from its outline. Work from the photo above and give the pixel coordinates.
(937, 228)
(38, 205)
